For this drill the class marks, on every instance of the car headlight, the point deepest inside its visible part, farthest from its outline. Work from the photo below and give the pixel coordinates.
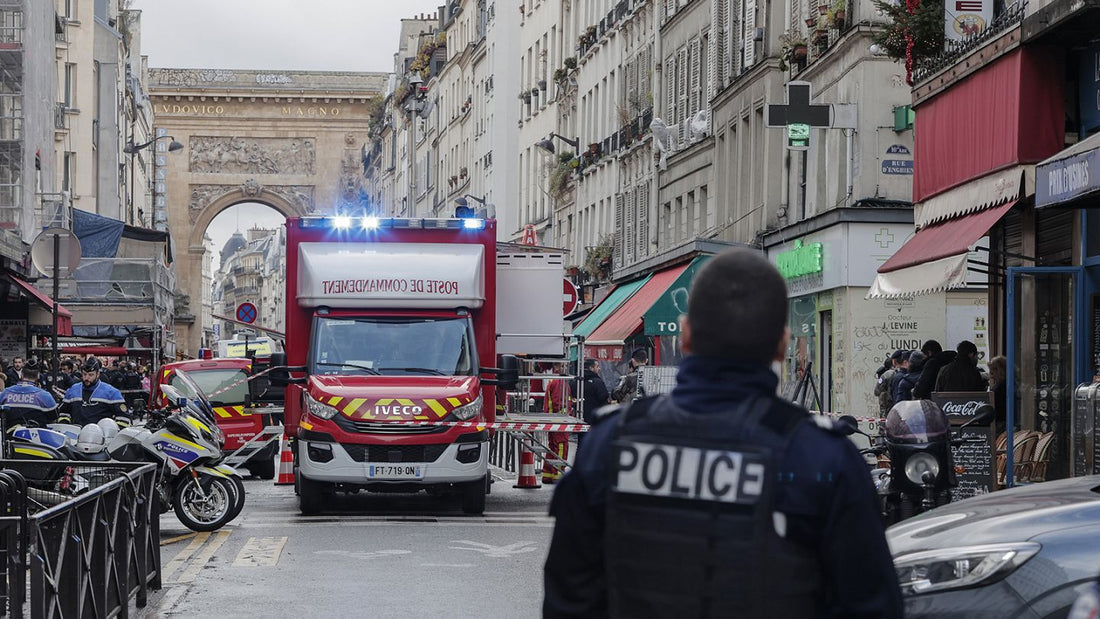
(917, 464)
(957, 568)
(468, 411)
(319, 409)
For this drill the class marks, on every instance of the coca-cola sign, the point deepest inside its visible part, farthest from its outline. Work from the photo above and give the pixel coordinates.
(960, 406)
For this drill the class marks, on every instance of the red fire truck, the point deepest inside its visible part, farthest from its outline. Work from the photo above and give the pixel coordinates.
(223, 380)
(390, 324)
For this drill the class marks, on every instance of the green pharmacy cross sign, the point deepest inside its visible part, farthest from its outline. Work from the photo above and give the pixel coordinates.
(802, 260)
(798, 136)
(798, 115)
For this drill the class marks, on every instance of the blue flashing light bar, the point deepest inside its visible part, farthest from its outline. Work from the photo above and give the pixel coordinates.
(343, 222)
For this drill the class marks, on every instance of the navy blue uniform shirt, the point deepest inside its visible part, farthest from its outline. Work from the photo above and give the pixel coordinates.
(825, 490)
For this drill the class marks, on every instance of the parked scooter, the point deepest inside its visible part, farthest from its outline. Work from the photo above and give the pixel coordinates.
(917, 438)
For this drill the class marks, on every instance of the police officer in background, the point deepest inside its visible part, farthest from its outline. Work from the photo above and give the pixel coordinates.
(720, 499)
(92, 399)
(24, 403)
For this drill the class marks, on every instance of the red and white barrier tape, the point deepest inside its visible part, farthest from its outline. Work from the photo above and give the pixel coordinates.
(239, 382)
(837, 415)
(501, 425)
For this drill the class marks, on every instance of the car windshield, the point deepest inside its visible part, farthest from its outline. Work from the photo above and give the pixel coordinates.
(217, 383)
(393, 346)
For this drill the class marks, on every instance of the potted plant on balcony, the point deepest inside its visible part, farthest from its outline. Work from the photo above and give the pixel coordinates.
(570, 63)
(823, 8)
(836, 14)
(525, 95)
(793, 49)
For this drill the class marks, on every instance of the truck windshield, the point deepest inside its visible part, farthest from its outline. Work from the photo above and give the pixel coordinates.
(393, 346)
(214, 381)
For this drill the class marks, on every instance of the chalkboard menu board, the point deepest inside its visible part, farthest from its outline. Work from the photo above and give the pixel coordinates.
(1086, 449)
(974, 458)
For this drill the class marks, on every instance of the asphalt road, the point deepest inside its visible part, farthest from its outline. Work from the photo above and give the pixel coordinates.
(372, 556)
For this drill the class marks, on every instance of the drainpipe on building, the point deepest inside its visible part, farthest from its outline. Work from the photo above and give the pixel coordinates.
(658, 69)
(849, 140)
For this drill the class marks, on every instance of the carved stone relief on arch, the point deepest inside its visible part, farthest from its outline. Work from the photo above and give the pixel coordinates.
(236, 155)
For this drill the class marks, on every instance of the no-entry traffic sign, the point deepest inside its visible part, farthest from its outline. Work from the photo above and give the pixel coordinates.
(246, 313)
(570, 298)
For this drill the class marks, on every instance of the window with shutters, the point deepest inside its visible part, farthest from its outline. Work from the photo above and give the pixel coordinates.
(670, 90)
(627, 233)
(681, 83)
(619, 230)
(696, 90)
(641, 231)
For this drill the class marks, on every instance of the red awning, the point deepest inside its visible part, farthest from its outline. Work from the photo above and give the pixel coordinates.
(935, 258)
(64, 316)
(1009, 112)
(99, 351)
(627, 319)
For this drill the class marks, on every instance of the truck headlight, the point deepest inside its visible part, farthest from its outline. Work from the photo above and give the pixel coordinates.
(468, 411)
(319, 409)
(957, 568)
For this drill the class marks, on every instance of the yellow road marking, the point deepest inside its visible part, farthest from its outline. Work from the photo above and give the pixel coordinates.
(201, 559)
(260, 552)
(178, 538)
(183, 555)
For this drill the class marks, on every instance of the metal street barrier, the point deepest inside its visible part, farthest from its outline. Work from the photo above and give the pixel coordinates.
(88, 554)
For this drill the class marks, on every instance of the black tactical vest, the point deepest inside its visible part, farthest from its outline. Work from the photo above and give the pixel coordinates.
(690, 524)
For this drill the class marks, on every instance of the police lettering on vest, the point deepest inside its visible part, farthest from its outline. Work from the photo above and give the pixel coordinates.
(693, 473)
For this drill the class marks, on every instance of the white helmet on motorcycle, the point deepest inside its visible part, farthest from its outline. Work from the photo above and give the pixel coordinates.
(91, 440)
(109, 427)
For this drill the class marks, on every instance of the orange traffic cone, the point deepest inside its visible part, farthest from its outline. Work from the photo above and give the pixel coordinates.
(527, 478)
(286, 464)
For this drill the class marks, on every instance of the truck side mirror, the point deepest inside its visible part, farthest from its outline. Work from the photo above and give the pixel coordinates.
(506, 376)
(509, 371)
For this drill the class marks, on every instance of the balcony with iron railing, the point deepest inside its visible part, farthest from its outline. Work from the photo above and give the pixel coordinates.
(954, 51)
(61, 117)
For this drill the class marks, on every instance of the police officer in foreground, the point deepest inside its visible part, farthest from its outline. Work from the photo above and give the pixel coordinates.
(26, 404)
(92, 399)
(720, 499)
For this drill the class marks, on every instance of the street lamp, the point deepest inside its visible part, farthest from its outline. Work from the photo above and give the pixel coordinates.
(132, 149)
(548, 144)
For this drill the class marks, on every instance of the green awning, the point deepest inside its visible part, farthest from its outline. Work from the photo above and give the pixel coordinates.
(662, 318)
(610, 303)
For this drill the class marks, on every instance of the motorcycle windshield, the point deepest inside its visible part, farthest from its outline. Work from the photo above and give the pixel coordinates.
(916, 421)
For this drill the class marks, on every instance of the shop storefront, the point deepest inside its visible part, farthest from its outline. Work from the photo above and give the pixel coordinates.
(641, 314)
(26, 318)
(981, 127)
(840, 338)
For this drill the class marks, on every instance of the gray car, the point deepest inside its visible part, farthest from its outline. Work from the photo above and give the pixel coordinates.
(1023, 552)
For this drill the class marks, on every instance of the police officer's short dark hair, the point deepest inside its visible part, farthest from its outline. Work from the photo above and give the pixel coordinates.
(590, 363)
(738, 307)
(30, 370)
(640, 355)
(966, 347)
(931, 347)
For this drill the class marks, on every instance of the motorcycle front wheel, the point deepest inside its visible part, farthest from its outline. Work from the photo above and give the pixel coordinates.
(206, 508)
(238, 498)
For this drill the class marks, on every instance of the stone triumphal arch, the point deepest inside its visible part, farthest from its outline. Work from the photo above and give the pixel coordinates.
(290, 140)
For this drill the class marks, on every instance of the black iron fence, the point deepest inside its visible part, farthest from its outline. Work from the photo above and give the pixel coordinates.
(88, 534)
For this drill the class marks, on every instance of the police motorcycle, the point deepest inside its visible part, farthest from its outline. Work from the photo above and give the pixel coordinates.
(185, 443)
(917, 438)
(50, 484)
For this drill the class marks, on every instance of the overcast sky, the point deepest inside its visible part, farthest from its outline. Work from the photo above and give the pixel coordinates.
(307, 35)
(289, 35)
